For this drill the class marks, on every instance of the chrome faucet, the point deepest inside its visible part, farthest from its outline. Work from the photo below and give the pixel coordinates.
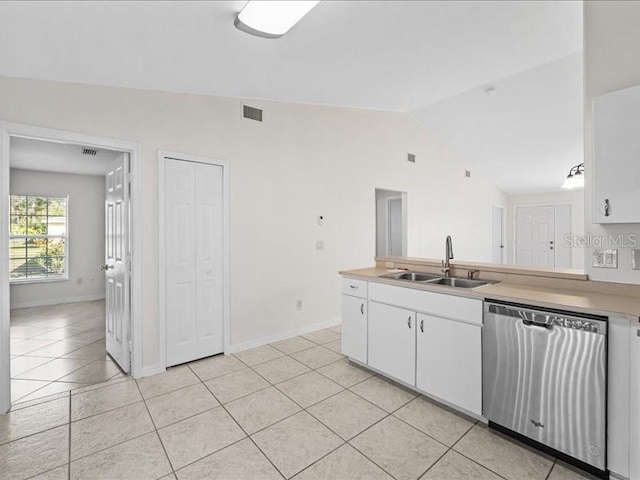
(448, 255)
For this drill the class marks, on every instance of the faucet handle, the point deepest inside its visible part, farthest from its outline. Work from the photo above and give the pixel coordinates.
(472, 273)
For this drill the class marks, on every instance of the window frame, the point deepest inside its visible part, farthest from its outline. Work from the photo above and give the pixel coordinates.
(65, 237)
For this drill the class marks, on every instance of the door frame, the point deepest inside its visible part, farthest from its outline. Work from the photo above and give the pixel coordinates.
(163, 155)
(503, 240)
(555, 226)
(11, 129)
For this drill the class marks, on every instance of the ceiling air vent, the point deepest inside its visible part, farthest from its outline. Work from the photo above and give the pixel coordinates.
(411, 157)
(89, 151)
(252, 113)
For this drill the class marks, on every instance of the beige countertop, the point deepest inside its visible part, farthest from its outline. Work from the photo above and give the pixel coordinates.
(575, 300)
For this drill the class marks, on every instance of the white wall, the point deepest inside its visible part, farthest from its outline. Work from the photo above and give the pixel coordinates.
(612, 50)
(575, 198)
(303, 161)
(85, 237)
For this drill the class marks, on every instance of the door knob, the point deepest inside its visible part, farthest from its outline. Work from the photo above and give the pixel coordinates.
(106, 267)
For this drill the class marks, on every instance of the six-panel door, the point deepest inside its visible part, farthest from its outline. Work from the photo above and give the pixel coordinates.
(449, 361)
(194, 261)
(392, 341)
(354, 327)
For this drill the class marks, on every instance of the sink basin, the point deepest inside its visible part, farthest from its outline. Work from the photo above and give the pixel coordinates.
(459, 282)
(431, 279)
(413, 276)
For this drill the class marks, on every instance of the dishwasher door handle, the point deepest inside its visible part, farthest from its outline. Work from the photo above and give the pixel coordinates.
(529, 323)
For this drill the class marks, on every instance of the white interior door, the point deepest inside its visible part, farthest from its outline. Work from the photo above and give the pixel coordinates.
(535, 236)
(194, 250)
(209, 260)
(116, 264)
(180, 244)
(498, 235)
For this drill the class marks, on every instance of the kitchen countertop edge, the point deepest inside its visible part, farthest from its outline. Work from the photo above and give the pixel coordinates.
(574, 300)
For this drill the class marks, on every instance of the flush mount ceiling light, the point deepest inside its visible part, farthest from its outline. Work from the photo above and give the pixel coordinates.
(575, 179)
(272, 19)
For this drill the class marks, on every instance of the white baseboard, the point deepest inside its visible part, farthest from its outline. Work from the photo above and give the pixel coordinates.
(56, 301)
(238, 347)
(150, 370)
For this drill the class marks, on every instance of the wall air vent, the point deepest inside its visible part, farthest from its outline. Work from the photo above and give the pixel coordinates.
(89, 151)
(411, 157)
(252, 113)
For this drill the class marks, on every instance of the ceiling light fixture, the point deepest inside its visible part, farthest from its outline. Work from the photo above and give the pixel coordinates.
(272, 19)
(491, 91)
(575, 179)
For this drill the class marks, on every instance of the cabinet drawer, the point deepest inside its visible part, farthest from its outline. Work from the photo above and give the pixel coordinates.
(356, 288)
(439, 304)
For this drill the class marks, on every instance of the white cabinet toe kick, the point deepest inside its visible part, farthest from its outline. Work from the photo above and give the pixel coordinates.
(431, 342)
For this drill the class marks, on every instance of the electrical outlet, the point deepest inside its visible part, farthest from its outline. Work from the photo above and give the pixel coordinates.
(605, 259)
(298, 304)
(320, 245)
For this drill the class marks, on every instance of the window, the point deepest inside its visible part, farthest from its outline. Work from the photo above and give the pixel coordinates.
(37, 239)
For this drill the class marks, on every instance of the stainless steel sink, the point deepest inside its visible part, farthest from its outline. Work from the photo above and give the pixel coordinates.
(431, 279)
(413, 276)
(459, 282)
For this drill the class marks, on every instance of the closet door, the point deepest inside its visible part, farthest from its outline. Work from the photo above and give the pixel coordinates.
(209, 260)
(180, 242)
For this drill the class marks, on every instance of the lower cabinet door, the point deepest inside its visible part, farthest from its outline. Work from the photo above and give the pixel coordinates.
(449, 361)
(354, 327)
(392, 347)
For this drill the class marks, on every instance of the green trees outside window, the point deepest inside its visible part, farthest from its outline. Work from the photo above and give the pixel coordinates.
(38, 238)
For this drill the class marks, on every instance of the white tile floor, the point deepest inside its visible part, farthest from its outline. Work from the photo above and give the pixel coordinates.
(295, 409)
(58, 348)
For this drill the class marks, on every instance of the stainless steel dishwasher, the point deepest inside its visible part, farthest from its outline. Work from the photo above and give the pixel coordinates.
(544, 379)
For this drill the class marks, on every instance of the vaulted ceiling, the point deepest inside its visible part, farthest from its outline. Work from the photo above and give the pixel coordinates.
(390, 55)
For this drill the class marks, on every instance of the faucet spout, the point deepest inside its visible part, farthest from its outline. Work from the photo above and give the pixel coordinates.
(448, 255)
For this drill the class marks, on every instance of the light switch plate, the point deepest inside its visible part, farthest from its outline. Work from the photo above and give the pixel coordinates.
(635, 259)
(605, 259)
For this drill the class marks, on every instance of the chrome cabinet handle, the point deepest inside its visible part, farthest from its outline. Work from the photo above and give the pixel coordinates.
(106, 267)
(409, 321)
(607, 207)
(422, 326)
(362, 308)
(353, 287)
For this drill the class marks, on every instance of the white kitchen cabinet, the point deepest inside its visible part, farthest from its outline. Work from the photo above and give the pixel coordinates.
(634, 401)
(354, 327)
(392, 341)
(616, 157)
(449, 361)
(618, 396)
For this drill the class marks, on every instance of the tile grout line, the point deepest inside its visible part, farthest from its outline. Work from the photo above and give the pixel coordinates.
(155, 428)
(242, 429)
(344, 442)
